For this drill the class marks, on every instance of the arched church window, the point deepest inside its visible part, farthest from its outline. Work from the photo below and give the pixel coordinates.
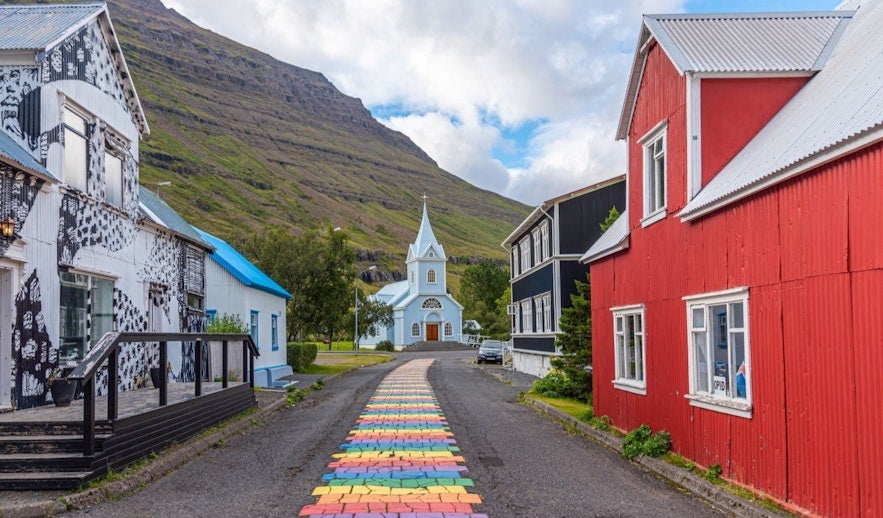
(415, 329)
(430, 276)
(449, 329)
(431, 303)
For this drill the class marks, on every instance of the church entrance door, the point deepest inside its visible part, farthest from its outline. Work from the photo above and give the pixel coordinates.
(432, 332)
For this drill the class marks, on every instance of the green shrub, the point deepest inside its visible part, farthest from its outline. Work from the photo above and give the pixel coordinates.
(225, 323)
(301, 355)
(714, 473)
(557, 384)
(642, 441)
(385, 345)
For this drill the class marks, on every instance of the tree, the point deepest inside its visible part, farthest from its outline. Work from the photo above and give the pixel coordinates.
(575, 340)
(373, 316)
(612, 216)
(316, 269)
(328, 290)
(481, 289)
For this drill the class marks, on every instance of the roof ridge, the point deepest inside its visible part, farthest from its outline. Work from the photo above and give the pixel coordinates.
(751, 15)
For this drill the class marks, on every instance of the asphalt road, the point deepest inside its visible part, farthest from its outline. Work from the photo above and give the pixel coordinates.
(523, 465)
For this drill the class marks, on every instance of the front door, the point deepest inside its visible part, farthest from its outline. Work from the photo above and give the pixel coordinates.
(432, 332)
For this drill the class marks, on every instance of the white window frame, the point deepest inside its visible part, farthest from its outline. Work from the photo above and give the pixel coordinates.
(70, 134)
(655, 190)
(710, 400)
(274, 332)
(537, 247)
(544, 237)
(415, 329)
(516, 324)
(538, 314)
(254, 327)
(527, 316)
(621, 332)
(431, 303)
(431, 277)
(115, 147)
(515, 259)
(449, 329)
(547, 312)
(524, 246)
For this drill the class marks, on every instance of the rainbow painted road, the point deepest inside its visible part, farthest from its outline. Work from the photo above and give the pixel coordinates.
(400, 460)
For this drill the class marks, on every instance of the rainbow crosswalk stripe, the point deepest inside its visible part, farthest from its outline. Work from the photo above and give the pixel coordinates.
(400, 460)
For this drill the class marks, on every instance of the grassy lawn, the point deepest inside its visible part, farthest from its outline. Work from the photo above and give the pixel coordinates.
(346, 345)
(328, 364)
(572, 407)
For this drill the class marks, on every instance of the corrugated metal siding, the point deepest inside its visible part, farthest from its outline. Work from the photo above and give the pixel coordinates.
(580, 218)
(733, 110)
(820, 398)
(758, 446)
(813, 219)
(571, 271)
(539, 281)
(34, 27)
(867, 321)
(865, 216)
(746, 43)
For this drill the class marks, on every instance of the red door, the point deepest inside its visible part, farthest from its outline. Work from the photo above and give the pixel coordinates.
(432, 332)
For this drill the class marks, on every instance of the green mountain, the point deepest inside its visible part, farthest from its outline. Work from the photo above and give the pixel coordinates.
(247, 140)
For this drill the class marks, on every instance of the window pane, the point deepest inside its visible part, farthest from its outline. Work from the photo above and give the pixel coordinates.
(630, 347)
(75, 121)
(698, 318)
(74, 160)
(639, 358)
(618, 323)
(699, 350)
(737, 310)
(102, 309)
(74, 293)
(113, 179)
(741, 375)
(638, 324)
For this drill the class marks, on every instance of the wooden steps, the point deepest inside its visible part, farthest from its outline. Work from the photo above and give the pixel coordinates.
(48, 455)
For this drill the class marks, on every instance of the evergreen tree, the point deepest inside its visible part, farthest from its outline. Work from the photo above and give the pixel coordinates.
(575, 341)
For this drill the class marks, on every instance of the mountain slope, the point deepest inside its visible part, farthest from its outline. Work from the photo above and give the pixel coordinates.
(247, 140)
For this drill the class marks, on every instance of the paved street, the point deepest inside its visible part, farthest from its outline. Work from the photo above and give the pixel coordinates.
(517, 463)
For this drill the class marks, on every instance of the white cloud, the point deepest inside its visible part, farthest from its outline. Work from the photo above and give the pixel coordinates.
(563, 62)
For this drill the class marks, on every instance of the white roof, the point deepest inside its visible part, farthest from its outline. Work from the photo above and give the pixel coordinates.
(839, 111)
(392, 293)
(736, 43)
(611, 241)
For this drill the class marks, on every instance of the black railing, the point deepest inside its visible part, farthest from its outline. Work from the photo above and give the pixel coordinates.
(108, 349)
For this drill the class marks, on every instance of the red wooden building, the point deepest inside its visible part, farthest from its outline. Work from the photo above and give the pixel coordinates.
(738, 304)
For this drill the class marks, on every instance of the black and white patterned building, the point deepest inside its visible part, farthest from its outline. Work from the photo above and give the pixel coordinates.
(91, 251)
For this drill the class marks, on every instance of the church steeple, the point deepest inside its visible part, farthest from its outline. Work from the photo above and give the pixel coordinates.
(426, 242)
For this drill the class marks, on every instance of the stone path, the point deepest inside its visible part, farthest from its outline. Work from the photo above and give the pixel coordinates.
(400, 460)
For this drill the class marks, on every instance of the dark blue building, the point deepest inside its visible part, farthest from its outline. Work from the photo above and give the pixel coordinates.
(544, 254)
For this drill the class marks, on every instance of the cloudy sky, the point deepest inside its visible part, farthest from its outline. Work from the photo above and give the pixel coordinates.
(520, 97)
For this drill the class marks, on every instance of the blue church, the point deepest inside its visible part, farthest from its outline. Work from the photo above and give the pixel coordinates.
(423, 310)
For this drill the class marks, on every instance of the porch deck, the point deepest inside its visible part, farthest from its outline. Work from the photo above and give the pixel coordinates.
(131, 403)
(43, 448)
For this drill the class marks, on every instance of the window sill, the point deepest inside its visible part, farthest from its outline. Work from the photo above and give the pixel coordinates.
(650, 219)
(725, 406)
(630, 386)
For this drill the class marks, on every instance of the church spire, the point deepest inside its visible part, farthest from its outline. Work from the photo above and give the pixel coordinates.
(426, 237)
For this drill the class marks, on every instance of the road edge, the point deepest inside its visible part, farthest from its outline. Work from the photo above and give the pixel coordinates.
(164, 464)
(717, 496)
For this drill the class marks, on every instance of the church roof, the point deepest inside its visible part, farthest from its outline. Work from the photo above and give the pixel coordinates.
(392, 293)
(425, 239)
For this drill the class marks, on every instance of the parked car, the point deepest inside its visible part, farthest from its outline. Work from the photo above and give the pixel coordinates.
(490, 351)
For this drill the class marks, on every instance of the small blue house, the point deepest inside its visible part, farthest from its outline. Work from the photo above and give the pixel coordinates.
(235, 286)
(423, 310)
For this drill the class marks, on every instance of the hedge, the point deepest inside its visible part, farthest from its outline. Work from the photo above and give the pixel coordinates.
(301, 355)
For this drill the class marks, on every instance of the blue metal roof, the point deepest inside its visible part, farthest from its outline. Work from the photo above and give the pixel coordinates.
(36, 27)
(13, 153)
(241, 268)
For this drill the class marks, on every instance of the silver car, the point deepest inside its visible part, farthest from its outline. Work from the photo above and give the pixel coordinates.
(491, 351)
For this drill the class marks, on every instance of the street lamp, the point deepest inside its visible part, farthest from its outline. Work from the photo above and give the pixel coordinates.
(356, 309)
(7, 227)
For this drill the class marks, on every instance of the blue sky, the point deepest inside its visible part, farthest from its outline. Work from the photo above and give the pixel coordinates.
(518, 97)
